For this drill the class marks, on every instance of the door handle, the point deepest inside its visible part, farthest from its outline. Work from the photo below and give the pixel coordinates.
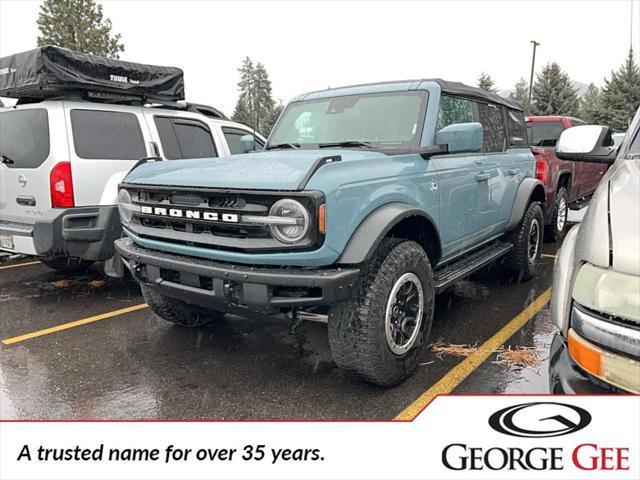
(26, 201)
(513, 171)
(483, 177)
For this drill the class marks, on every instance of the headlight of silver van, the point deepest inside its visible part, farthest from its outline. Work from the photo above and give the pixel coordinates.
(125, 206)
(607, 291)
(295, 220)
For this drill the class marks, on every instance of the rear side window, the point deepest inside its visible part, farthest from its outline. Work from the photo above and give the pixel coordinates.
(105, 135)
(493, 131)
(544, 134)
(185, 138)
(24, 137)
(517, 129)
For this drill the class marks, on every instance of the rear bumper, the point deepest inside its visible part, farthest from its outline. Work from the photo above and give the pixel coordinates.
(84, 232)
(565, 377)
(234, 287)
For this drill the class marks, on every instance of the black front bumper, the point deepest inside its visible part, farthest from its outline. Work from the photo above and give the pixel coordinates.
(83, 232)
(235, 287)
(567, 377)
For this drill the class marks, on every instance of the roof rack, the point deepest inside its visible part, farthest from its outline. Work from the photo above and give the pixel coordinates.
(205, 110)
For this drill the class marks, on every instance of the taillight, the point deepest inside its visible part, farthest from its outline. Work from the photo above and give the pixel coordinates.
(542, 169)
(61, 185)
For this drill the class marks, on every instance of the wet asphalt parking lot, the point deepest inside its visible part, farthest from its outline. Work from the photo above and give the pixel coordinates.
(85, 347)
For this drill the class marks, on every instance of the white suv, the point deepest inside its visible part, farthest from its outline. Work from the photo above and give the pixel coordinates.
(62, 160)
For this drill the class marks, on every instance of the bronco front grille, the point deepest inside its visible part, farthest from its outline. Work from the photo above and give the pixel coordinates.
(183, 210)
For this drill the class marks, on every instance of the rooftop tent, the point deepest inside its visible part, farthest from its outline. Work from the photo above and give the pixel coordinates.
(50, 71)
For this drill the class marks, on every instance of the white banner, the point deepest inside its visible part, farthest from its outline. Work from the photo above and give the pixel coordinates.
(456, 437)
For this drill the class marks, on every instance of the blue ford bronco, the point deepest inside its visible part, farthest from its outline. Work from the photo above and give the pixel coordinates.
(367, 201)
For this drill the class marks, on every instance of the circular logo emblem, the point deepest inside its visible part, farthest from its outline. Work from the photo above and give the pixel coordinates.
(22, 180)
(540, 420)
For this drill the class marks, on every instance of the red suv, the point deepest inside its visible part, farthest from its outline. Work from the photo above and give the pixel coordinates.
(564, 182)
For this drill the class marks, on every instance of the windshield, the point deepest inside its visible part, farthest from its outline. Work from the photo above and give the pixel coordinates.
(544, 134)
(382, 120)
(635, 145)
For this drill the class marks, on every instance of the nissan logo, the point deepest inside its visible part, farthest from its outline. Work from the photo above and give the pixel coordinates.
(22, 180)
(539, 420)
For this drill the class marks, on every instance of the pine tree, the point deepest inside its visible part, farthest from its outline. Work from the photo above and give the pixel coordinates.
(78, 25)
(621, 95)
(244, 105)
(273, 118)
(255, 104)
(591, 110)
(521, 93)
(485, 82)
(263, 103)
(553, 93)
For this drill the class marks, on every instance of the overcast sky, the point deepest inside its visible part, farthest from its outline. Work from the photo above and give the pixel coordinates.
(308, 46)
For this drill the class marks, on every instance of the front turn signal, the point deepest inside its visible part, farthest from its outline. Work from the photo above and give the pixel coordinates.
(618, 370)
(322, 218)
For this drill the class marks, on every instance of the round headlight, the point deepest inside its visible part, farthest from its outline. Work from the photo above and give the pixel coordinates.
(125, 207)
(294, 210)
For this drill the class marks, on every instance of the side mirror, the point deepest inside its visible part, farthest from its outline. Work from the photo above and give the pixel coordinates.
(247, 143)
(587, 143)
(461, 137)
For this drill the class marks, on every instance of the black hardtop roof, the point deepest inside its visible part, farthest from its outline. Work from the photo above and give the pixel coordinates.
(457, 88)
(452, 88)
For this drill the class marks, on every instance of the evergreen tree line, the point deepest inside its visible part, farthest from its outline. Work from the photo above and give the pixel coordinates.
(80, 25)
(255, 106)
(553, 93)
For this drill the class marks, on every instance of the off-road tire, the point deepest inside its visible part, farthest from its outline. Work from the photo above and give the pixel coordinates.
(178, 312)
(551, 231)
(356, 326)
(66, 264)
(517, 263)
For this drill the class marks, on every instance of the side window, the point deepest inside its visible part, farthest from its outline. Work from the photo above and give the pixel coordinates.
(495, 138)
(168, 138)
(455, 110)
(106, 135)
(575, 123)
(233, 136)
(184, 138)
(517, 129)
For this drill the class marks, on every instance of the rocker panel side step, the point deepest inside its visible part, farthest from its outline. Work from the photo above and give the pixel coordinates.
(465, 266)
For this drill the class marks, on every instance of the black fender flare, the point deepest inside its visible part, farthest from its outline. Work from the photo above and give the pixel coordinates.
(524, 194)
(368, 235)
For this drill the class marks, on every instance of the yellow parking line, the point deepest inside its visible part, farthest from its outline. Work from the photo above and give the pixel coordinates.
(456, 375)
(16, 265)
(548, 255)
(77, 323)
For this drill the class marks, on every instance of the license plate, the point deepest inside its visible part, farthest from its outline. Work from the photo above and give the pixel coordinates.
(6, 241)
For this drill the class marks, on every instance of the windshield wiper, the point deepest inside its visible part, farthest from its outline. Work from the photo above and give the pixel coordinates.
(347, 143)
(6, 160)
(282, 145)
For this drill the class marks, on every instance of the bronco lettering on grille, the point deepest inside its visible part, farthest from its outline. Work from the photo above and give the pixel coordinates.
(189, 214)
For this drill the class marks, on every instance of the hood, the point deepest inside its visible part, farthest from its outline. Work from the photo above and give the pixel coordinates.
(624, 199)
(609, 235)
(274, 170)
